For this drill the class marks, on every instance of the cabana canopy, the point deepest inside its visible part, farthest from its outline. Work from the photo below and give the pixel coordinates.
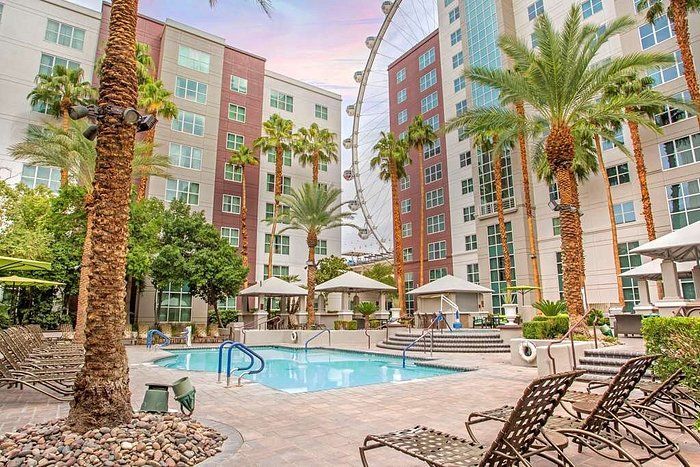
(274, 287)
(27, 282)
(651, 271)
(19, 264)
(679, 245)
(353, 282)
(449, 284)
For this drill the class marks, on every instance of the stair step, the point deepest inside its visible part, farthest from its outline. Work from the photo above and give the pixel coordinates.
(448, 339)
(449, 344)
(613, 352)
(602, 361)
(461, 349)
(603, 370)
(453, 335)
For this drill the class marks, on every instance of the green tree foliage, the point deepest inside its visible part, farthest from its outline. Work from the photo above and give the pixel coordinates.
(24, 222)
(145, 225)
(331, 267)
(382, 272)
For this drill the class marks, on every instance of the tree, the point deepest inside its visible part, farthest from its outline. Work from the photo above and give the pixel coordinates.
(59, 91)
(382, 272)
(678, 11)
(314, 146)
(313, 209)
(277, 137)
(562, 83)
(24, 222)
(243, 158)
(330, 267)
(391, 158)
(144, 63)
(155, 100)
(421, 134)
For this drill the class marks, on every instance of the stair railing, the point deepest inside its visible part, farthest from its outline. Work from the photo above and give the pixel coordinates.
(429, 330)
(306, 344)
(453, 305)
(570, 335)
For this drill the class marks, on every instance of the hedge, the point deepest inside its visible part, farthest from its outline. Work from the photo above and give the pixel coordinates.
(345, 325)
(546, 327)
(678, 342)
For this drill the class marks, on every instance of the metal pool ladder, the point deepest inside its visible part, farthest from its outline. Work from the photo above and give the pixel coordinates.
(230, 345)
(306, 344)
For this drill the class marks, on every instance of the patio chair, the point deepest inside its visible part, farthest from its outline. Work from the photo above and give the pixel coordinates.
(58, 386)
(516, 442)
(18, 359)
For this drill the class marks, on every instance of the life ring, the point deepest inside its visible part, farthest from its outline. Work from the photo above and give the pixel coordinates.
(295, 336)
(527, 351)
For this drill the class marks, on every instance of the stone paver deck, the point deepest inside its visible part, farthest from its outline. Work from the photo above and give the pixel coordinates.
(326, 428)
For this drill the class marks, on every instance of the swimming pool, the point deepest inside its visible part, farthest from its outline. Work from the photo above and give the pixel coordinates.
(296, 371)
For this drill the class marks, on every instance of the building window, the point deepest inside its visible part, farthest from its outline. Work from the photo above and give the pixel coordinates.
(535, 9)
(188, 122)
(228, 304)
(429, 102)
(405, 183)
(462, 134)
(669, 73)
(456, 37)
(401, 96)
(683, 203)
(286, 184)
(236, 113)
(607, 144)
(321, 111)
(553, 192)
(460, 83)
(560, 274)
(408, 254)
(467, 186)
(457, 59)
(628, 261)
(183, 190)
(406, 230)
(282, 101)
(401, 75)
(624, 212)
(533, 40)
(233, 173)
(64, 34)
(556, 226)
(37, 175)
(680, 152)
(231, 235)
(437, 250)
(453, 15)
(239, 85)
(286, 157)
(659, 31)
(470, 242)
(434, 123)
(234, 142)
(321, 248)
(469, 213)
(427, 80)
(591, 7)
(402, 117)
(281, 244)
(672, 115)
(190, 90)
(410, 300)
(48, 62)
(434, 198)
(277, 271)
(431, 149)
(436, 224)
(433, 173)
(188, 157)
(487, 184)
(473, 273)
(428, 58)
(618, 174)
(270, 211)
(465, 159)
(231, 204)
(193, 59)
(461, 107)
(175, 304)
(405, 206)
(435, 274)
(496, 264)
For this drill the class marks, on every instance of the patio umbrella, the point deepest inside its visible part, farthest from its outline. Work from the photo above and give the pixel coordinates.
(16, 281)
(19, 264)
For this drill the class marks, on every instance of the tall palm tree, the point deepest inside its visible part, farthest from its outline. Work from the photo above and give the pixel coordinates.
(562, 85)
(421, 134)
(59, 91)
(70, 151)
(278, 137)
(145, 66)
(313, 209)
(316, 145)
(392, 158)
(243, 158)
(678, 11)
(102, 396)
(154, 99)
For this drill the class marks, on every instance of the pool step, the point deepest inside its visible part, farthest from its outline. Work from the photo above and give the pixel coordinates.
(462, 341)
(604, 363)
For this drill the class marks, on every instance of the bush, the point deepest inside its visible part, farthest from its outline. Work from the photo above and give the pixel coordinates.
(5, 321)
(678, 342)
(345, 325)
(352, 325)
(598, 316)
(546, 327)
(227, 316)
(374, 323)
(549, 308)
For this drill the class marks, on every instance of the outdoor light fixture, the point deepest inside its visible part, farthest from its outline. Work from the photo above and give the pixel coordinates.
(90, 132)
(146, 123)
(556, 207)
(130, 116)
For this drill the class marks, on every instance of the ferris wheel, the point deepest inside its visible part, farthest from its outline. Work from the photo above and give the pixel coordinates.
(406, 23)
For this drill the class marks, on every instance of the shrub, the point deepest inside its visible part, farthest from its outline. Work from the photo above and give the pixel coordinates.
(678, 342)
(374, 323)
(599, 318)
(546, 327)
(549, 308)
(5, 321)
(227, 316)
(352, 325)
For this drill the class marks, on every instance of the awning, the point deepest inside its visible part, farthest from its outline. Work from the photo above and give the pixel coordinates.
(651, 270)
(19, 264)
(27, 282)
(354, 282)
(679, 245)
(274, 287)
(449, 284)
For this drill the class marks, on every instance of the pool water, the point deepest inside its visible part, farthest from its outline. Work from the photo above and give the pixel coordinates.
(296, 371)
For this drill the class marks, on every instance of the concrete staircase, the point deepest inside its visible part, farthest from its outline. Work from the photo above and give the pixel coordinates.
(603, 363)
(462, 341)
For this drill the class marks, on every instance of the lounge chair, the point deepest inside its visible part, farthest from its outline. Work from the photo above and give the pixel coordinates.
(516, 442)
(58, 386)
(20, 359)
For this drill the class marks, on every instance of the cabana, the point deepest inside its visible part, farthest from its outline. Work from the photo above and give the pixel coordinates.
(364, 289)
(273, 288)
(466, 295)
(682, 245)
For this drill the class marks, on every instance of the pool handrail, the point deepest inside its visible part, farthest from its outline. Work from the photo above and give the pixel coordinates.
(149, 338)
(252, 353)
(221, 354)
(306, 344)
(247, 351)
(429, 330)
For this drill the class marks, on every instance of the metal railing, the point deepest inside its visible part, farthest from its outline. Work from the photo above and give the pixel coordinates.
(429, 330)
(306, 344)
(253, 326)
(149, 338)
(230, 345)
(570, 335)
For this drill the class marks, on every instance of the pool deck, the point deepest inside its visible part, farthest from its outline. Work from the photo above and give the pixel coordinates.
(325, 428)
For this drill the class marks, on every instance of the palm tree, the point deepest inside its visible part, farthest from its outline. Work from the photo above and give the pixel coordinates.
(278, 137)
(102, 396)
(243, 158)
(154, 99)
(144, 63)
(421, 134)
(678, 13)
(313, 209)
(70, 151)
(314, 146)
(391, 158)
(59, 91)
(562, 84)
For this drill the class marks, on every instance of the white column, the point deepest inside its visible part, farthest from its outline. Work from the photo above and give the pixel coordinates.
(669, 276)
(696, 281)
(644, 306)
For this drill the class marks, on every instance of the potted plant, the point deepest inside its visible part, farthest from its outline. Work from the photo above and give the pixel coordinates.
(509, 308)
(366, 309)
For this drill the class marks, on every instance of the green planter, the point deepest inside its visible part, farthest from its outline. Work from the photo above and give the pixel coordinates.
(182, 387)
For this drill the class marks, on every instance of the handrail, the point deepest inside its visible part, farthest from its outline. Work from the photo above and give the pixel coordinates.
(454, 307)
(383, 326)
(306, 344)
(149, 338)
(570, 335)
(244, 349)
(425, 333)
(221, 355)
(251, 353)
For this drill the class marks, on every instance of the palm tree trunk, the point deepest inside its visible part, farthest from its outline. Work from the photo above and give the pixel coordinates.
(529, 212)
(398, 239)
(503, 235)
(279, 154)
(421, 175)
(143, 181)
(613, 224)
(65, 125)
(311, 242)
(102, 397)
(679, 11)
(244, 224)
(315, 167)
(84, 284)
